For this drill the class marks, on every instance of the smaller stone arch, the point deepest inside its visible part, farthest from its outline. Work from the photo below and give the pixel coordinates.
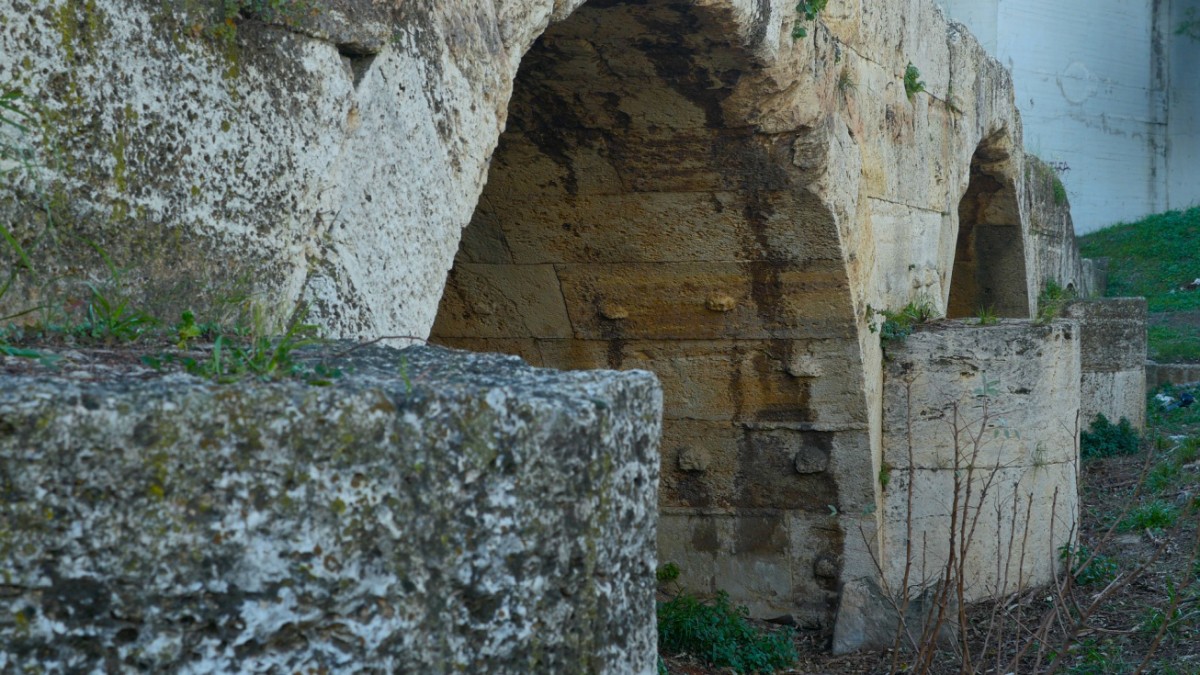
(989, 259)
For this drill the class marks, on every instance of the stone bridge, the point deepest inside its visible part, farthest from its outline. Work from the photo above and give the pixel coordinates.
(680, 187)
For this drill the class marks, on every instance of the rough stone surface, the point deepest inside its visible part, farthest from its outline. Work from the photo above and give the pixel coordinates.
(680, 187)
(969, 437)
(1158, 374)
(432, 511)
(1053, 232)
(1113, 358)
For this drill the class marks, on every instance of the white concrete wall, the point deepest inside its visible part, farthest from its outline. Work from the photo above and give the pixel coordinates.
(1090, 79)
(1183, 99)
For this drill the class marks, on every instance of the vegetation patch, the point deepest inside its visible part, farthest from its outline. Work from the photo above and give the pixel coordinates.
(1051, 301)
(806, 10)
(896, 326)
(1105, 439)
(721, 635)
(1156, 257)
(913, 84)
(1173, 344)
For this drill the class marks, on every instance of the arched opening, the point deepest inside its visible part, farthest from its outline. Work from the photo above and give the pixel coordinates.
(989, 258)
(631, 220)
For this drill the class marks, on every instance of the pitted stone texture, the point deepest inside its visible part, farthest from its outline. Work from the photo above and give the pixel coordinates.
(1113, 358)
(330, 156)
(432, 511)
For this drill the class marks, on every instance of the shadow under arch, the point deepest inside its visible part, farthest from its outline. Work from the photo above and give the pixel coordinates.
(631, 220)
(989, 260)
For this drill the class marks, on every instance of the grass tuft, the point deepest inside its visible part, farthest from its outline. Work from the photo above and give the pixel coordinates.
(719, 634)
(1105, 439)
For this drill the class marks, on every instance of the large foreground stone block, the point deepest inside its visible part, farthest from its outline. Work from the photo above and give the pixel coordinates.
(432, 511)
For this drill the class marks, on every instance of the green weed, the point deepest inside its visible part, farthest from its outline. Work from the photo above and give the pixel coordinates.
(113, 319)
(1099, 658)
(667, 573)
(719, 634)
(1051, 301)
(1167, 344)
(1104, 439)
(1157, 515)
(806, 10)
(232, 359)
(1100, 570)
(913, 84)
(897, 326)
(986, 316)
(845, 82)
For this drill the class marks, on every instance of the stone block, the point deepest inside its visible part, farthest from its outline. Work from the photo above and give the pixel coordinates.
(767, 560)
(799, 383)
(1112, 333)
(430, 511)
(1115, 395)
(724, 465)
(536, 227)
(502, 301)
(670, 300)
(1000, 446)
(1112, 357)
(1019, 379)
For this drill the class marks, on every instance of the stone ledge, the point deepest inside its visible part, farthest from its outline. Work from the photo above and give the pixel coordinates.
(431, 511)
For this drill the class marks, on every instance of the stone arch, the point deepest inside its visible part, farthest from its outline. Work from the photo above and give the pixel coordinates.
(989, 259)
(632, 219)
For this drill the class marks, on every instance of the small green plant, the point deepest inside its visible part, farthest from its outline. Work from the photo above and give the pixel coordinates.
(1060, 192)
(897, 326)
(261, 357)
(1157, 515)
(913, 84)
(186, 330)
(113, 319)
(806, 10)
(719, 634)
(1087, 568)
(667, 573)
(885, 476)
(986, 316)
(1051, 301)
(1162, 477)
(845, 82)
(1105, 439)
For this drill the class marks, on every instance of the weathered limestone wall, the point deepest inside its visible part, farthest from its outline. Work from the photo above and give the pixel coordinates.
(970, 438)
(678, 187)
(1053, 233)
(688, 190)
(296, 158)
(1113, 357)
(430, 512)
